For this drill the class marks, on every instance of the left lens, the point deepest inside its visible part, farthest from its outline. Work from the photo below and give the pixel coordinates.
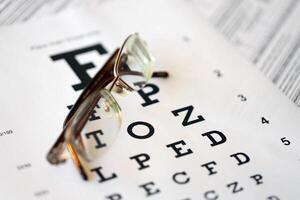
(135, 62)
(92, 135)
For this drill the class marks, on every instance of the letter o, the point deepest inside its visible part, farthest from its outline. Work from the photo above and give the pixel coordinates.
(141, 123)
(214, 196)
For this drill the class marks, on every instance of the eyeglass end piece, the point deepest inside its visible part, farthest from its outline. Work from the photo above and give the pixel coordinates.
(55, 159)
(160, 74)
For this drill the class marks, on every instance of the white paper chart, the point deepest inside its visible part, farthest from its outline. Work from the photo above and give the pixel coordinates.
(215, 129)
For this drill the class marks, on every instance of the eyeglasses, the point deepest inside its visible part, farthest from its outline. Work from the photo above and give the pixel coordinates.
(128, 69)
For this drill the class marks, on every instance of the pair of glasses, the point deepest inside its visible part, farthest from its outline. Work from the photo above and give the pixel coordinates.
(128, 69)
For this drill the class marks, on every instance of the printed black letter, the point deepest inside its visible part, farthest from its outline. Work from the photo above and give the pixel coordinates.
(140, 159)
(80, 69)
(178, 150)
(214, 196)
(186, 121)
(148, 188)
(235, 189)
(239, 156)
(183, 181)
(101, 176)
(147, 125)
(98, 142)
(146, 95)
(210, 169)
(213, 140)
(114, 197)
(258, 178)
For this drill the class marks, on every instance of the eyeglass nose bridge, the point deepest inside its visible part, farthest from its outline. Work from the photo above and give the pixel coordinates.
(121, 87)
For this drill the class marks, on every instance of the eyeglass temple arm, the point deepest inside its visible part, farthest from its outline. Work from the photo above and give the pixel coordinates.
(101, 78)
(157, 74)
(54, 156)
(160, 74)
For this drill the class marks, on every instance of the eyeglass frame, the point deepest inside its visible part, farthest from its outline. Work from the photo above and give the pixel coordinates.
(108, 74)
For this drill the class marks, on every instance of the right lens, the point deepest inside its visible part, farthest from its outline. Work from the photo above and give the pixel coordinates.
(135, 64)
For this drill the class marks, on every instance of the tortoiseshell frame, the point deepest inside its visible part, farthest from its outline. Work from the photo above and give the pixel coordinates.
(108, 74)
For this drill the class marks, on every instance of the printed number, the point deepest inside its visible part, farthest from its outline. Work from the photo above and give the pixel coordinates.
(242, 97)
(23, 166)
(264, 121)
(41, 193)
(218, 73)
(285, 141)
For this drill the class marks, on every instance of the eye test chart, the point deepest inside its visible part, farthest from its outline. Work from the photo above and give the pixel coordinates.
(215, 129)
